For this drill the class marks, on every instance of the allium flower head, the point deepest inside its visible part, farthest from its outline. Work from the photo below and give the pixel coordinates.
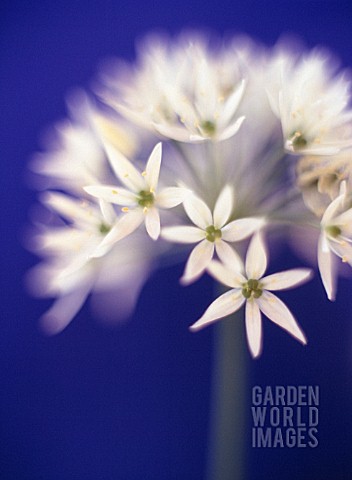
(254, 290)
(252, 136)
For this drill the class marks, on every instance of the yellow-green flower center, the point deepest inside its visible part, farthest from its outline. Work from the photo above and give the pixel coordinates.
(298, 140)
(333, 230)
(208, 127)
(104, 228)
(145, 198)
(212, 233)
(252, 288)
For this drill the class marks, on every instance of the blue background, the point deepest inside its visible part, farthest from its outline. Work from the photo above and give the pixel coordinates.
(132, 402)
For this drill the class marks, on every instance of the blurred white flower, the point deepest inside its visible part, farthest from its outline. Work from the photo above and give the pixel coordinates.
(69, 272)
(335, 239)
(181, 90)
(76, 157)
(141, 201)
(212, 232)
(320, 177)
(312, 103)
(254, 290)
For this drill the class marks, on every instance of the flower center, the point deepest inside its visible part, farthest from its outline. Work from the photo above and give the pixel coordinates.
(333, 230)
(145, 199)
(252, 289)
(212, 233)
(298, 140)
(104, 228)
(208, 127)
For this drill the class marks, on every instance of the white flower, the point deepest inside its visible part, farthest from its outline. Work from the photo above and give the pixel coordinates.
(312, 104)
(254, 290)
(68, 271)
(335, 239)
(77, 156)
(88, 224)
(140, 199)
(181, 91)
(212, 232)
(320, 179)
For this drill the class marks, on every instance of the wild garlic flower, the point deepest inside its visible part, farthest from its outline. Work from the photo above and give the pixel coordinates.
(335, 239)
(140, 199)
(312, 103)
(255, 291)
(76, 157)
(320, 177)
(233, 116)
(69, 272)
(180, 90)
(212, 232)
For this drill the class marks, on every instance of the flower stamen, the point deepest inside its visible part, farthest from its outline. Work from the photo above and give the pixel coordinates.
(145, 199)
(212, 233)
(252, 288)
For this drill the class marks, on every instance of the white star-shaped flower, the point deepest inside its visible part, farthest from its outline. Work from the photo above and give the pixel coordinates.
(312, 103)
(211, 233)
(140, 199)
(254, 290)
(335, 239)
(88, 224)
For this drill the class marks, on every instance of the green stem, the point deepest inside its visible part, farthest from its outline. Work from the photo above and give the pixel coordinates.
(227, 419)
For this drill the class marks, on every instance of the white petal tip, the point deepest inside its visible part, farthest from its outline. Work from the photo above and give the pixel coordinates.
(256, 355)
(184, 281)
(197, 326)
(51, 325)
(154, 237)
(302, 338)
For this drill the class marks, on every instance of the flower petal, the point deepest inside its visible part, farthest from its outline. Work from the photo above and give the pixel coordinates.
(171, 197)
(242, 228)
(125, 170)
(286, 279)
(112, 194)
(326, 267)
(231, 105)
(180, 134)
(63, 310)
(152, 169)
(198, 261)
(70, 208)
(223, 207)
(332, 209)
(198, 212)
(230, 131)
(278, 313)
(344, 221)
(223, 274)
(126, 224)
(108, 211)
(152, 223)
(228, 256)
(256, 259)
(183, 234)
(226, 304)
(254, 327)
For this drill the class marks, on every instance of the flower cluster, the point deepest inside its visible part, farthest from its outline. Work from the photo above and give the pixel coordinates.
(197, 151)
